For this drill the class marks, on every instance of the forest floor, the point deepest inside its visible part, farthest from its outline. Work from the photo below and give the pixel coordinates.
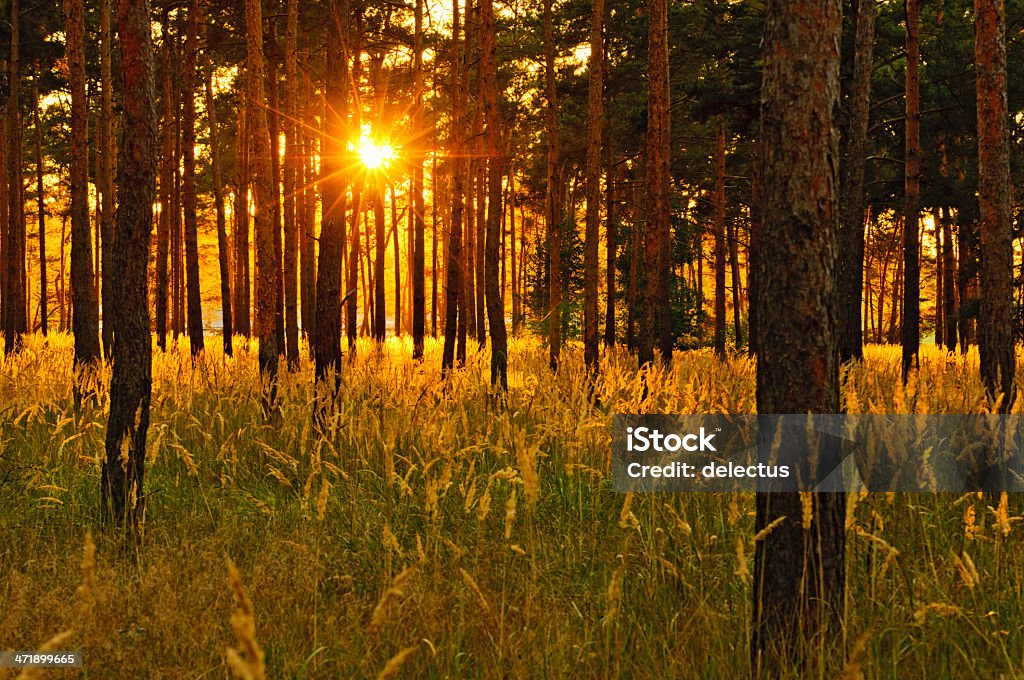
(483, 541)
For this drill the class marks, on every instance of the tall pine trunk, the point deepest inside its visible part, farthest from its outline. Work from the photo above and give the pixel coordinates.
(995, 333)
(41, 214)
(15, 320)
(799, 567)
(595, 115)
(291, 160)
(553, 202)
(453, 280)
(123, 492)
(266, 264)
(418, 205)
(107, 143)
(851, 234)
(167, 172)
(719, 227)
(188, 185)
(911, 333)
(85, 317)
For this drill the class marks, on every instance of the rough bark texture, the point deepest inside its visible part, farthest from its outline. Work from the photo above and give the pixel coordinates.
(85, 317)
(194, 301)
(851, 251)
(995, 333)
(332, 184)
(419, 208)
(553, 207)
(799, 572)
(655, 319)
(595, 99)
(307, 232)
(453, 279)
(291, 159)
(911, 335)
(218, 200)
(15, 318)
(719, 227)
(495, 303)
(107, 142)
(266, 264)
(167, 171)
(131, 378)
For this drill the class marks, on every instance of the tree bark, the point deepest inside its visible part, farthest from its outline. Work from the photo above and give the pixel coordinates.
(719, 227)
(41, 213)
(108, 143)
(131, 379)
(798, 572)
(188, 186)
(911, 335)
(851, 251)
(332, 186)
(218, 200)
(419, 208)
(995, 332)
(291, 159)
(612, 238)
(553, 203)
(167, 171)
(85, 317)
(495, 165)
(15, 321)
(266, 264)
(454, 316)
(949, 281)
(595, 120)
(655, 314)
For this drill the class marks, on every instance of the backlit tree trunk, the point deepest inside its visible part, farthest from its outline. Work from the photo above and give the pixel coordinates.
(595, 99)
(655, 317)
(719, 227)
(188, 186)
(851, 251)
(15, 320)
(41, 213)
(553, 205)
(85, 317)
(123, 494)
(911, 335)
(453, 252)
(799, 567)
(266, 196)
(240, 235)
(107, 143)
(418, 205)
(167, 171)
(995, 333)
(291, 160)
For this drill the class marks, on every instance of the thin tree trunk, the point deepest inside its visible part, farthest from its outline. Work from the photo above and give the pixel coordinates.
(242, 316)
(266, 264)
(995, 331)
(218, 200)
(307, 233)
(612, 238)
(107, 142)
(418, 205)
(189, 198)
(851, 251)
(290, 262)
(14, 311)
(453, 251)
(940, 326)
(85, 319)
(44, 313)
(911, 335)
(737, 285)
(167, 170)
(799, 567)
(949, 281)
(655, 317)
(553, 206)
(495, 164)
(719, 228)
(595, 116)
(131, 379)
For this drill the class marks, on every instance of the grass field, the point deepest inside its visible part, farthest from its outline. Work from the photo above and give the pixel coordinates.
(431, 533)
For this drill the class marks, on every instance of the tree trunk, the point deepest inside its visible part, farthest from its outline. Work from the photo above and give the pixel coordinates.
(189, 198)
(240, 307)
(218, 200)
(453, 280)
(108, 143)
(595, 115)
(851, 251)
(352, 292)
(553, 203)
(131, 379)
(167, 171)
(291, 158)
(332, 185)
(495, 165)
(799, 567)
(911, 335)
(655, 316)
(612, 237)
(737, 285)
(266, 264)
(720, 238)
(307, 233)
(41, 213)
(15, 321)
(85, 318)
(940, 326)
(949, 281)
(418, 205)
(995, 334)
